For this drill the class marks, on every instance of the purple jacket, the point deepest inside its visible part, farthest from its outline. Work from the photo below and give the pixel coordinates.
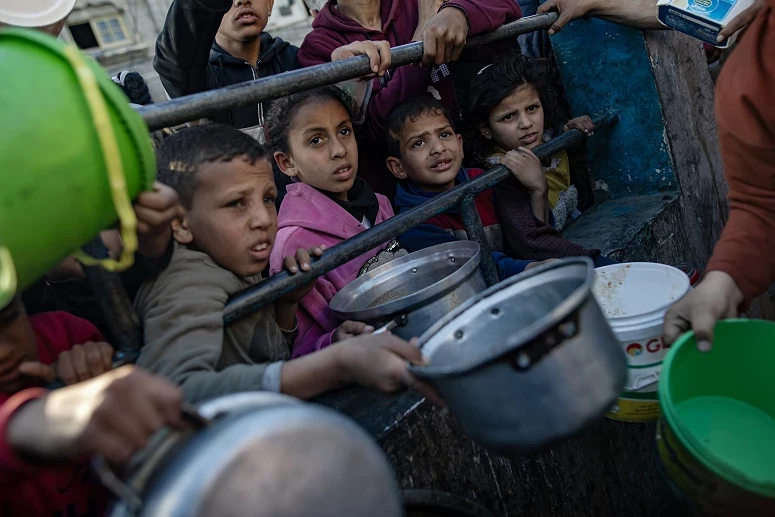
(308, 218)
(331, 29)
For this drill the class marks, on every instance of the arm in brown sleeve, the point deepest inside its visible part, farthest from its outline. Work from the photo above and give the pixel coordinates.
(745, 112)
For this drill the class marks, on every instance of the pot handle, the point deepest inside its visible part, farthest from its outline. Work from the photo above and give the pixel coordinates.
(531, 353)
(128, 494)
(398, 321)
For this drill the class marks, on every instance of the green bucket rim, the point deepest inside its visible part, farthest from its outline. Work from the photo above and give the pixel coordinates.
(134, 124)
(700, 453)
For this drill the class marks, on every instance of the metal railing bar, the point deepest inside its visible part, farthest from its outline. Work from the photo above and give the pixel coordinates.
(253, 298)
(199, 105)
(475, 231)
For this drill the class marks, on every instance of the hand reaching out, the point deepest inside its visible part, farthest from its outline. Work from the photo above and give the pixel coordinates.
(583, 124)
(113, 414)
(716, 297)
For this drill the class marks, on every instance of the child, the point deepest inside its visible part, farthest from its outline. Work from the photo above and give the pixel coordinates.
(33, 352)
(427, 155)
(223, 243)
(511, 105)
(311, 135)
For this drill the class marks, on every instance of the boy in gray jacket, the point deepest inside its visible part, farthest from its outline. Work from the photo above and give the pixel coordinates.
(223, 242)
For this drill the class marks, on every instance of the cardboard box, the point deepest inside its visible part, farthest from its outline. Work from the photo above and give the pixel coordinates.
(701, 19)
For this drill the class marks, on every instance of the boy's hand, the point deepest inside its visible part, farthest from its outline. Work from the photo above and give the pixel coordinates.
(113, 415)
(583, 124)
(350, 329)
(301, 261)
(378, 52)
(717, 297)
(80, 363)
(444, 36)
(379, 362)
(526, 167)
(155, 210)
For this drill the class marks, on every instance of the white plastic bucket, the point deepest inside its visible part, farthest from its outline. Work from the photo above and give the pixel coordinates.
(635, 297)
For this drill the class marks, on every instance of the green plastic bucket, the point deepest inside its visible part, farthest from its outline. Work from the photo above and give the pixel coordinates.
(55, 193)
(716, 438)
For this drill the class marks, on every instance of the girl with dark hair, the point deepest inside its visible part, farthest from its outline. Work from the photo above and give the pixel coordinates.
(311, 136)
(513, 104)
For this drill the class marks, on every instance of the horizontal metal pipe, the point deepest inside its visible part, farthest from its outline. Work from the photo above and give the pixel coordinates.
(253, 298)
(199, 105)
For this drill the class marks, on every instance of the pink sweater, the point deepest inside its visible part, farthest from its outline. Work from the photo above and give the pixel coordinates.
(308, 218)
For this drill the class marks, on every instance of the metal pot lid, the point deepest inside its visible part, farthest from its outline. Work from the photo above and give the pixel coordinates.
(505, 317)
(407, 282)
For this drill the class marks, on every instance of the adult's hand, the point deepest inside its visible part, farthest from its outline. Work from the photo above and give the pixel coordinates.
(741, 20)
(444, 37)
(113, 415)
(568, 11)
(717, 297)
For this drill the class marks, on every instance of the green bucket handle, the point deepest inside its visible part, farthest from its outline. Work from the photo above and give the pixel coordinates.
(113, 165)
(7, 277)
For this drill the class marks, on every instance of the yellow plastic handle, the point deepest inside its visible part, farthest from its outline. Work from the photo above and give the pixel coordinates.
(7, 277)
(113, 165)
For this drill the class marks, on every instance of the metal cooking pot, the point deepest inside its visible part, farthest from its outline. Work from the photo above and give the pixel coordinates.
(411, 293)
(260, 454)
(529, 361)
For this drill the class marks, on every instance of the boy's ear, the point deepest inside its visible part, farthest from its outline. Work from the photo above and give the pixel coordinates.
(180, 230)
(460, 142)
(484, 129)
(394, 164)
(285, 163)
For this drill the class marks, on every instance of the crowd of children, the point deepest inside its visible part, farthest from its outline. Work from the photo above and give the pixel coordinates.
(212, 228)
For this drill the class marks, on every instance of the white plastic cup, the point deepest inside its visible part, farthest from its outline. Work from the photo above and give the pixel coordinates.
(635, 297)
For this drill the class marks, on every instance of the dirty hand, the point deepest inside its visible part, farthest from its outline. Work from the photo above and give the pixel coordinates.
(444, 37)
(113, 415)
(540, 263)
(568, 10)
(155, 210)
(377, 51)
(717, 297)
(80, 363)
(350, 329)
(379, 362)
(741, 20)
(583, 124)
(301, 262)
(526, 167)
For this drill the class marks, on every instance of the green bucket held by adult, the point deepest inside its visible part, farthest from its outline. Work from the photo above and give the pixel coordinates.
(73, 154)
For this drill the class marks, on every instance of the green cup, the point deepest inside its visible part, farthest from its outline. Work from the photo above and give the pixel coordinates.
(55, 193)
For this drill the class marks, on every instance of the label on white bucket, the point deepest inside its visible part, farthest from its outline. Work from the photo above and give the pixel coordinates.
(635, 297)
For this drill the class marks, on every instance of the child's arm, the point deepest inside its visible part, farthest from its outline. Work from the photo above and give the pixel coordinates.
(526, 168)
(113, 415)
(285, 308)
(80, 363)
(373, 361)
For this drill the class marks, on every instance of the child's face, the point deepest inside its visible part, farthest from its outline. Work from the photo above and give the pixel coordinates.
(232, 216)
(17, 345)
(517, 121)
(324, 153)
(431, 153)
(246, 20)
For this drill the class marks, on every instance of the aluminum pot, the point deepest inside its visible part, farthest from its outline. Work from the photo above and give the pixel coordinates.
(409, 294)
(258, 454)
(530, 361)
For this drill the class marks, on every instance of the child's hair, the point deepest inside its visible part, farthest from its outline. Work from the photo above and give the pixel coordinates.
(282, 112)
(182, 154)
(496, 82)
(411, 109)
(134, 87)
